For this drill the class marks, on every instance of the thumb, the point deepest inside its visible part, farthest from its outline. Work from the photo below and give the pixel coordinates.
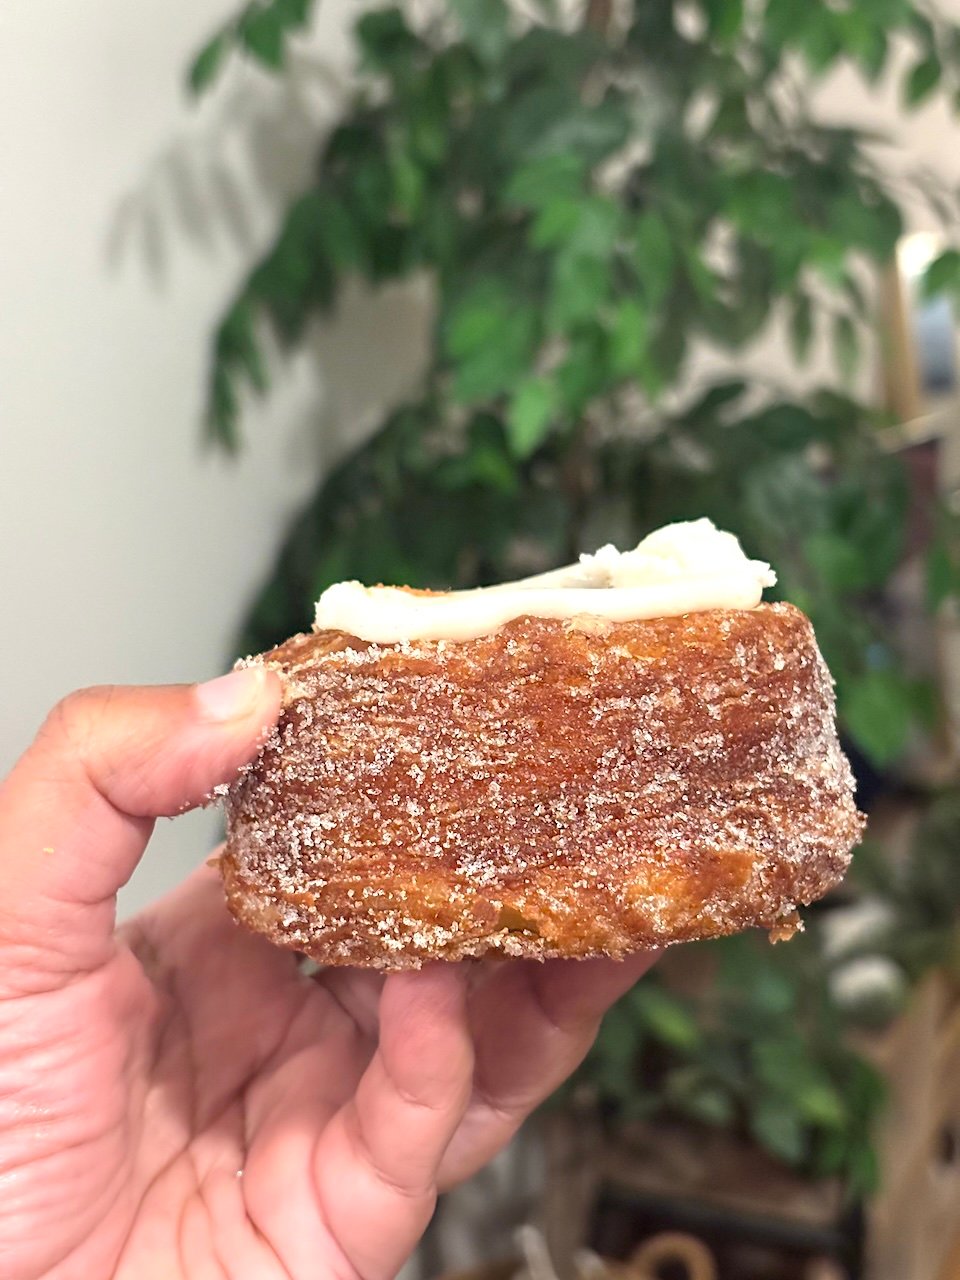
(77, 810)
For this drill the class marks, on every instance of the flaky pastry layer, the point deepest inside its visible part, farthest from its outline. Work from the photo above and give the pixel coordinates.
(556, 789)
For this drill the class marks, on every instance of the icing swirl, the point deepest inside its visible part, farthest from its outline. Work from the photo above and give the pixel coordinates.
(682, 568)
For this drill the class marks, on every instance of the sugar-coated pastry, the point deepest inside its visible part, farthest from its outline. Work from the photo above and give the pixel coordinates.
(627, 753)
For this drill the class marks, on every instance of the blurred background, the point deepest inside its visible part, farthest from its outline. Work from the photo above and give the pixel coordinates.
(451, 291)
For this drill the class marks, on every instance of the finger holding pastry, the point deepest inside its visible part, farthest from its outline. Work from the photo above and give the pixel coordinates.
(568, 772)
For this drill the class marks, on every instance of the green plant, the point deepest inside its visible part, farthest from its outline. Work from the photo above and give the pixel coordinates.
(920, 891)
(591, 206)
(763, 1048)
(592, 201)
(759, 1051)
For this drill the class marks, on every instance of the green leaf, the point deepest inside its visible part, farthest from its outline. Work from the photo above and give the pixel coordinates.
(476, 320)
(878, 711)
(653, 256)
(922, 28)
(724, 19)
(926, 701)
(864, 38)
(552, 120)
(863, 219)
(731, 119)
(538, 183)
(941, 580)
(583, 374)
(821, 41)
(874, 54)
(762, 203)
(922, 80)
(484, 25)
(652, 374)
(846, 346)
(235, 344)
(705, 281)
(408, 183)
(778, 1130)
(339, 233)
(668, 350)
(222, 410)
(782, 1062)
(331, 565)
(295, 278)
(797, 1081)
(236, 354)
(691, 1091)
(205, 66)
(705, 411)
(829, 256)
(785, 21)
(820, 1104)
(864, 1172)
(666, 1016)
(578, 288)
(710, 1105)
(428, 122)
(531, 412)
(540, 50)
(942, 275)
(629, 334)
(801, 327)
(555, 223)
(891, 13)
(491, 339)
(261, 33)
(293, 13)
(837, 561)
(614, 1055)
(788, 429)
(260, 30)
(385, 40)
(485, 461)
(851, 287)
(597, 229)
(770, 992)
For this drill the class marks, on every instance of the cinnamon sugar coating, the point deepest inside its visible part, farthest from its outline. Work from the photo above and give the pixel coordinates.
(556, 789)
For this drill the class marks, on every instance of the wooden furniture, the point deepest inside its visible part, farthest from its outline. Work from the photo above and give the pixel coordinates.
(914, 1222)
(637, 1193)
(616, 1193)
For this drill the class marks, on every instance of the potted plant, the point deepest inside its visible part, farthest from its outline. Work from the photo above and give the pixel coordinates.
(593, 200)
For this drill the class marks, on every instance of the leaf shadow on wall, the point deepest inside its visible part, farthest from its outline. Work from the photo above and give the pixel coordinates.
(218, 190)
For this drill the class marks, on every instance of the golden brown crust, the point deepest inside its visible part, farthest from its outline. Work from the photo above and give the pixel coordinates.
(557, 789)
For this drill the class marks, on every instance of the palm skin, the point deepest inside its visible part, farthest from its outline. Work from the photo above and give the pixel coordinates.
(177, 1098)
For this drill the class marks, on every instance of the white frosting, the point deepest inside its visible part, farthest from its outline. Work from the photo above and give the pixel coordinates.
(681, 568)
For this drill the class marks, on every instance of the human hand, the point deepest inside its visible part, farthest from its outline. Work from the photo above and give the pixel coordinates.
(177, 1099)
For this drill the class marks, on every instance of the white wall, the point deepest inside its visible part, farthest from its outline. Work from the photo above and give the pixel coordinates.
(126, 554)
(125, 219)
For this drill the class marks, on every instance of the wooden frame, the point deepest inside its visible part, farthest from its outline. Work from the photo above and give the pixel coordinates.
(920, 338)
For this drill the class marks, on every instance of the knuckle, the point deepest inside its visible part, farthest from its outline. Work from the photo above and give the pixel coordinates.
(76, 716)
(75, 724)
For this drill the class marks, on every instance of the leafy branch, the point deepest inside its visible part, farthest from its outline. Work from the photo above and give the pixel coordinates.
(758, 1051)
(590, 212)
(592, 207)
(260, 31)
